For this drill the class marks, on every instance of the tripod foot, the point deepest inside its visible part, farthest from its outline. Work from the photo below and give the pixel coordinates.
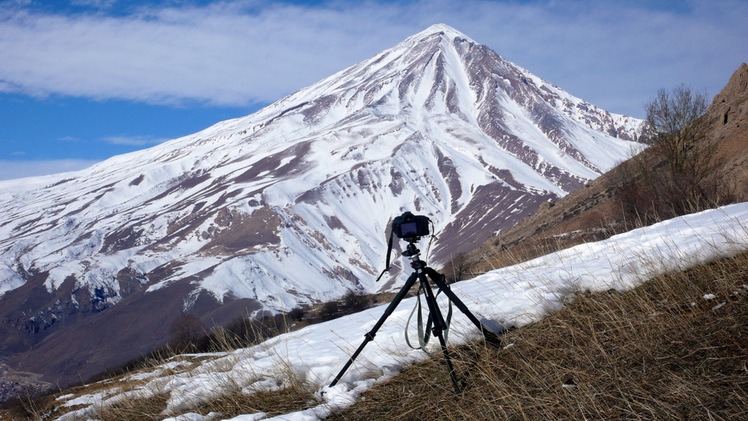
(492, 331)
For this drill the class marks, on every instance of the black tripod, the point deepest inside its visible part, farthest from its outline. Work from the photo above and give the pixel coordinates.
(439, 325)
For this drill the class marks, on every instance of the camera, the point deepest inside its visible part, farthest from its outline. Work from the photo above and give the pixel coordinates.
(408, 226)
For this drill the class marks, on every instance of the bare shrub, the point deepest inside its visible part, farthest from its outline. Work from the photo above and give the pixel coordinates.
(672, 118)
(458, 268)
(352, 302)
(297, 314)
(675, 176)
(329, 310)
(184, 333)
(355, 301)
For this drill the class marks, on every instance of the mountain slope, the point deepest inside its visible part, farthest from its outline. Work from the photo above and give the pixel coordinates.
(290, 205)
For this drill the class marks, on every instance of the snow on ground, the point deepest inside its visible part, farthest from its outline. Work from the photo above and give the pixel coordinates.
(515, 295)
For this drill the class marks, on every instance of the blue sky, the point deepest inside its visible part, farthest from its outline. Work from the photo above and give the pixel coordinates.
(83, 80)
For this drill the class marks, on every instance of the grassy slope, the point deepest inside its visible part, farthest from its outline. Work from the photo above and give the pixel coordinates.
(660, 351)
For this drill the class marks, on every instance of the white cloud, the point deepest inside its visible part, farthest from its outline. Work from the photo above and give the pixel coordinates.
(71, 139)
(20, 169)
(101, 4)
(133, 140)
(241, 52)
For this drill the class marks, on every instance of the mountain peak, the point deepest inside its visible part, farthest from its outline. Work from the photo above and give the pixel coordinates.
(436, 31)
(442, 29)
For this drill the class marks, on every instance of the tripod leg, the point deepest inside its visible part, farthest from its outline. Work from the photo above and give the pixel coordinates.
(373, 332)
(491, 337)
(438, 329)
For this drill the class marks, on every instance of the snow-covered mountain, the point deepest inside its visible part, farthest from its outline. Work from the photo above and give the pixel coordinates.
(290, 205)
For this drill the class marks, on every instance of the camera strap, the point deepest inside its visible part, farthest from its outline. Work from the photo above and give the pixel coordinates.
(424, 332)
(389, 253)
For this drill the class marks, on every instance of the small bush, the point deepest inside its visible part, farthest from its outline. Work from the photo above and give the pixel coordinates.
(329, 310)
(355, 301)
(185, 332)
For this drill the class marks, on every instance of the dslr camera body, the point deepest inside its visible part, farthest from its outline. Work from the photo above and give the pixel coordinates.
(409, 227)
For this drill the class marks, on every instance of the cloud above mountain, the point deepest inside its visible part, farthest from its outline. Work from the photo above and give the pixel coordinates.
(32, 168)
(245, 52)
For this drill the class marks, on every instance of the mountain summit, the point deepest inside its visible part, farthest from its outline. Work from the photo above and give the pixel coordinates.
(289, 205)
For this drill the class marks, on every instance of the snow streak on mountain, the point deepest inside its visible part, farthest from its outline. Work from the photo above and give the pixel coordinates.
(290, 205)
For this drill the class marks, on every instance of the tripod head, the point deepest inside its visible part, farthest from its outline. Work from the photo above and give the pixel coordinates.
(414, 254)
(411, 251)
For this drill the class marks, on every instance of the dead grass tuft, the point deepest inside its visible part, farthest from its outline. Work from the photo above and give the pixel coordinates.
(273, 403)
(135, 408)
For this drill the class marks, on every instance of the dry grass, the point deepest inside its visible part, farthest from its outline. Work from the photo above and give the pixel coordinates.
(517, 246)
(274, 403)
(661, 351)
(136, 408)
(229, 406)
